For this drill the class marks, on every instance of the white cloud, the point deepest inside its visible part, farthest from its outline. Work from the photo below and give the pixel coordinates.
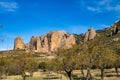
(101, 5)
(102, 26)
(78, 29)
(104, 2)
(9, 6)
(93, 9)
(117, 7)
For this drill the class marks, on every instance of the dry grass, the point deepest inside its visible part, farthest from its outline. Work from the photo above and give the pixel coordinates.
(109, 74)
(40, 75)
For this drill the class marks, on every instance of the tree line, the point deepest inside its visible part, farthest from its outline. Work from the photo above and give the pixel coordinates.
(95, 53)
(17, 64)
(84, 56)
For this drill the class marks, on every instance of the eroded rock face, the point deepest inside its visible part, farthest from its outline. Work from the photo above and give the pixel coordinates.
(92, 33)
(89, 35)
(114, 30)
(51, 42)
(18, 43)
(86, 37)
(61, 39)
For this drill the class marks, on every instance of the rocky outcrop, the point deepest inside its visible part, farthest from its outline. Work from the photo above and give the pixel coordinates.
(51, 42)
(86, 37)
(19, 43)
(114, 29)
(89, 35)
(61, 39)
(115, 39)
(39, 44)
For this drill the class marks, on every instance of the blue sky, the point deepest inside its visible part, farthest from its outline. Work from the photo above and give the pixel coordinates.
(28, 18)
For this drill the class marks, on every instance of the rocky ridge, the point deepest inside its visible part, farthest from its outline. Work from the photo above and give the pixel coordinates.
(49, 42)
(61, 39)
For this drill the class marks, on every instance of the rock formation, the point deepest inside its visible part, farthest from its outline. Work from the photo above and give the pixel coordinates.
(89, 35)
(115, 39)
(86, 37)
(114, 30)
(50, 42)
(18, 43)
(61, 39)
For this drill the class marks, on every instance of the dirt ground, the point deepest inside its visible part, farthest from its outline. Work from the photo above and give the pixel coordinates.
(40, 75)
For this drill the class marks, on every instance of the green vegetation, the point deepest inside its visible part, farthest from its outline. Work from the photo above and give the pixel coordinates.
(94, 53)
(97, 56)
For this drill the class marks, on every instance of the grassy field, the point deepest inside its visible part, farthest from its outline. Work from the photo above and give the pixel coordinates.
(109, 74)
(40, 75)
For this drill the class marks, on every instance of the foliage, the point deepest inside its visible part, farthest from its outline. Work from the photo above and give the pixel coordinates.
(42, 65)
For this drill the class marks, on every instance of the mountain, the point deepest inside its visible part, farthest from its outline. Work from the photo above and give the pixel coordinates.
(109, 34)
(61, 39)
